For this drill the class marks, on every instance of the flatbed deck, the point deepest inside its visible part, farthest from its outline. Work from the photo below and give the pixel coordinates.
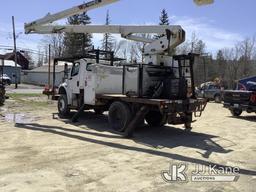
(132, 99)
(157, 102)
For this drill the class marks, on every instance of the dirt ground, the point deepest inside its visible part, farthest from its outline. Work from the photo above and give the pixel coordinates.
(39, 152)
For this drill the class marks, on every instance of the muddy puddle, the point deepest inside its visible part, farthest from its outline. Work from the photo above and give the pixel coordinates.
(18, 118)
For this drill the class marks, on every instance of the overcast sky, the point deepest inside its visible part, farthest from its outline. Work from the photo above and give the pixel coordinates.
(220, 25)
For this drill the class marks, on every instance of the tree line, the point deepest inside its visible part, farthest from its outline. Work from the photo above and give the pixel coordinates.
(228, 65)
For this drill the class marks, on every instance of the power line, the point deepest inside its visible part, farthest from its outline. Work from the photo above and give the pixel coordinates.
(10, 48)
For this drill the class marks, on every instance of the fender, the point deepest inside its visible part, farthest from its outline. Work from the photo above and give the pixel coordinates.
(63, 91)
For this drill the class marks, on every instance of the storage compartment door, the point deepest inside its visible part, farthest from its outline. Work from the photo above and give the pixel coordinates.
(131, 81)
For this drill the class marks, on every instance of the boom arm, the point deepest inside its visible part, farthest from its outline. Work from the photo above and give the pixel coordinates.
(173, 35)
(82, 8)
(125, 31)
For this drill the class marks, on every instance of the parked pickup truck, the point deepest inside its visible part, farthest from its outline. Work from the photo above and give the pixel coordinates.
(238, 101)
(210, 91)
(243, 98)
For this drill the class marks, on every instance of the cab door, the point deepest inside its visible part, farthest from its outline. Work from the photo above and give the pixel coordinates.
(73, 81)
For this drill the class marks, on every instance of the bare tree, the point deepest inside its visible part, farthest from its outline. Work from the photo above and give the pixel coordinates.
(120, 48)
(30, 59)
(57, 45)
(193, 45)
(40, 57)
(135, 55)
(129, 50)
(56, 42)
(233, 66)
(245, 50)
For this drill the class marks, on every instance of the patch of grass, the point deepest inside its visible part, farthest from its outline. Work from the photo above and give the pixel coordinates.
(24, 95)
(30, 100)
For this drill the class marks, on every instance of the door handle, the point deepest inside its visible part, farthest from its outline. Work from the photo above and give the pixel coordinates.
(77, 83)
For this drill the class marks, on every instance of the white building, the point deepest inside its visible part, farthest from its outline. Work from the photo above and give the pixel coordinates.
(39, 76)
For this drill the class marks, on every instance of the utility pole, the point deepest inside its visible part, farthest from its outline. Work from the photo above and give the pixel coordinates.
(15, 51)
(49, 67)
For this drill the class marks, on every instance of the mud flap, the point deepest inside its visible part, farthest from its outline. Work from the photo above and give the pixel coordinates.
(135, 121)
(78, 114)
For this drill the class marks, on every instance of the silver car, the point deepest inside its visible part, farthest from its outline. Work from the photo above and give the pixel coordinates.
(5, 79)
(210, 91)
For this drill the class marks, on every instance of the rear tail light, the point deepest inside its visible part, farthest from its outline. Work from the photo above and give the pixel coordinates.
(253, 98)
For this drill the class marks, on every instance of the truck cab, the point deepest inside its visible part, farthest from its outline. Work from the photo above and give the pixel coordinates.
(89, 75)
(74, 83)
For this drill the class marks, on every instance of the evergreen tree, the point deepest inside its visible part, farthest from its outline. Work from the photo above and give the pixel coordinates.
(108, 40)
(199, 47)
(76, 43)
(164, 20)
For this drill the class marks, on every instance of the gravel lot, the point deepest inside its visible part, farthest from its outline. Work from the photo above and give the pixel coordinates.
(40, 152)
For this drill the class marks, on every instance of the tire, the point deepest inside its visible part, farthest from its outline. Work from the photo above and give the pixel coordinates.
(63, 107)
(155, 119)
(119, 116)
(236, 112)
(217, 99)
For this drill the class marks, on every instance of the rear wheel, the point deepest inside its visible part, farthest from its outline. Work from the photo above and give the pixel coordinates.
(155, 119)
(119, 116)
(63, 107)
(236, 112)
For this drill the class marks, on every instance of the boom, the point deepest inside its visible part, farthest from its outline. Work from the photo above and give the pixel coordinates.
(173, 35)
(83, 8)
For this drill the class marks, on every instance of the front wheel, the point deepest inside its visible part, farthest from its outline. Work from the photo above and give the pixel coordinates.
(236, 112)
(63, 107)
